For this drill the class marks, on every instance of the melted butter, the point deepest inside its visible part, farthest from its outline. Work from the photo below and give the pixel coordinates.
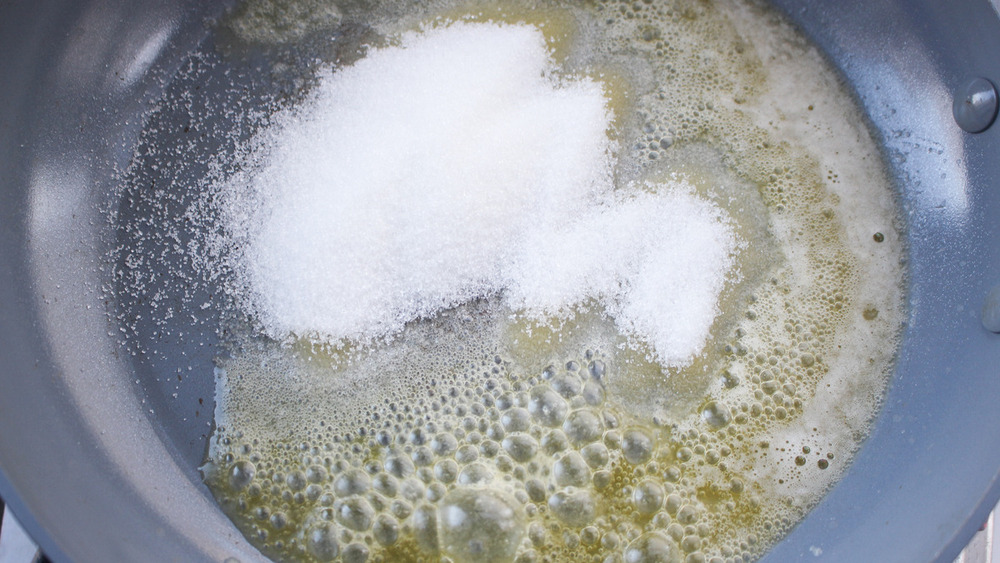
(736, 446)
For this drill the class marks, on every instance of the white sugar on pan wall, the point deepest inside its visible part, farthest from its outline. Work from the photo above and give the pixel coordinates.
(459, 164)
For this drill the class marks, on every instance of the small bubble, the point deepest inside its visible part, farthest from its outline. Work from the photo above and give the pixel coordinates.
(425, 527)
(422, 456)
(355, 513)
(573, 506)
(516, 420)
(596, 455)
(688, 514)
(566, 384)
(571, 470)
(729, 380)
(385, 484)
(690, 544)
(489, 448)
(674, 503)
(296, 481)
(583, 426)
(555, 441)
(355, 553)
(444, 444)
(411, 489)
(547, 406)
(535, 489)
(648, 497)
(313, 492)
(480, 525)
(521, 447)
(475, 474)
(399, 466)
(637, 446)
(602, 479)
(652, 547)
(716, 414)
(593, 393)
(316, 474)
(351, 482)
(386, 530)
(467, 454)
(241, 474)
(401, 509)
(322, 542)
(446, 471)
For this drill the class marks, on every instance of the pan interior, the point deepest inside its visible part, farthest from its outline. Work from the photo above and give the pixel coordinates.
(741, 439)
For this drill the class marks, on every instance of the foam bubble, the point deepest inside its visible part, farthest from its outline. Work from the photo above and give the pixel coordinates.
(491, 176)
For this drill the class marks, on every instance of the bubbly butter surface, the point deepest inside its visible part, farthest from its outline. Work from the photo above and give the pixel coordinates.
(481, 432)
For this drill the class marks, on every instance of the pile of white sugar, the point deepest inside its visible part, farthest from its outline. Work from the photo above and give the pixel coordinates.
(457, 165)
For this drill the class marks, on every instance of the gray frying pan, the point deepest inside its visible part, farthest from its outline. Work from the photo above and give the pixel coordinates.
(99, 459)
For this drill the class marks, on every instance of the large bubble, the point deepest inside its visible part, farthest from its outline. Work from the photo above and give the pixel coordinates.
(480, 525)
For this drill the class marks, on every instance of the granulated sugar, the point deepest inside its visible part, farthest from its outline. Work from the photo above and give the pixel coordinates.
(491, 177)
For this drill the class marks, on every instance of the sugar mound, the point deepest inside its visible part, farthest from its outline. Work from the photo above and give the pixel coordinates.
(455, 165)
(656, 262)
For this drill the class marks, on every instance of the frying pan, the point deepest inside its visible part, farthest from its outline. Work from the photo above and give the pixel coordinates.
(98, 457)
